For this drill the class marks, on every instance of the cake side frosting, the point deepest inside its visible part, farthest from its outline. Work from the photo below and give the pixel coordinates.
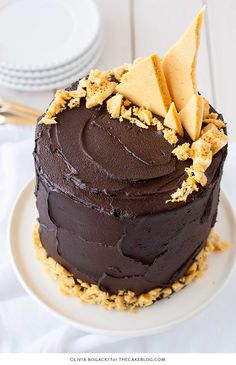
(102, 201)
(126, 196)
(124, 299)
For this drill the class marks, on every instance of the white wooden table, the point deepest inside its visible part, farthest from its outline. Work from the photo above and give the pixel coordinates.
(136, 28)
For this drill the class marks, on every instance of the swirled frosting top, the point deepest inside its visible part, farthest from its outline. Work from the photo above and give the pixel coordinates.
(111, 165)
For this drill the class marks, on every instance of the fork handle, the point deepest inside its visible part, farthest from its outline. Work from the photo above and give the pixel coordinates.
(20, 109)
(17, 119)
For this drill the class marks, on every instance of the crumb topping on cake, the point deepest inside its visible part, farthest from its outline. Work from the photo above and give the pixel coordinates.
(61, 100)
(183, 151)
(170, 135)
(215, 137)
(98, 88)
(150, 88)
(114, 105)
(188, 187)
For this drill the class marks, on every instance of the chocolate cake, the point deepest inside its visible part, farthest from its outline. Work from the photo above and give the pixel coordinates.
(127, 195)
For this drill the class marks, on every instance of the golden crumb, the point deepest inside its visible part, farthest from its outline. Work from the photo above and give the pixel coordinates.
(199, 174)
(177, 286)
(170, 135)
(212, 116)
(62, 94)
(125, 299)
(144, 300)
(201, 153)
(126, 113)
(143, 115)
(61, 99)
(216, 242)
(80, 92)
(58, 104)
(154, 121)
(114, 105)
(97, 77)
(97, 93)
(159, 125)
(119, 71)
(127, 102)
(216, 138)
(98, 87)
(83, 83)
(138, 123)
(47, 121)
(188, 187)
(217, 122)
(74, 97)
(74, 102)
(183, 151)
(121, 108)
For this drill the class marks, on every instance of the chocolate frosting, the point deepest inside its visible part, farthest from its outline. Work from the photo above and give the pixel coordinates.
(101, 192)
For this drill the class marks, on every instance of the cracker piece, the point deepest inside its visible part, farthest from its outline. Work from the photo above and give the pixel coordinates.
(206, 108)
(183, 151)
(159, 125)
(145, 85)
(170, 135)
(47, 121)
(216, 138)
(191, 116)
(172, 120)
(97, 93)
(217, 122)
(201, 154)
(118, 72)
(114, 105)
(179, 64)
(187, 188)
(144, 115)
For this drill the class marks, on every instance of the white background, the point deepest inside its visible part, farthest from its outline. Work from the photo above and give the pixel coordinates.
(133, 28)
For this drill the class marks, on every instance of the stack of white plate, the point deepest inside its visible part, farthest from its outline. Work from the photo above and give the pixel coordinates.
(47, 44)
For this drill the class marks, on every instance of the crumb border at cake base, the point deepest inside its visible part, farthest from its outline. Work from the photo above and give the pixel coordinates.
(125, 299)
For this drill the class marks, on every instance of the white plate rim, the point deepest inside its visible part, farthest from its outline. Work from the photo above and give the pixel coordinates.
(51, 79)
(91, 5)
(99, 331)
(59, 84)
(19, 75)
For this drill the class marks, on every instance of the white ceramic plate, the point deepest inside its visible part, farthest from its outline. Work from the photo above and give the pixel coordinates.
(159, 317)
(47, 33)
(59, 83)
(26, 75)
(56, 78)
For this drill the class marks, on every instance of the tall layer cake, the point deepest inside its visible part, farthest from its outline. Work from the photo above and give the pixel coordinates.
(128, 165)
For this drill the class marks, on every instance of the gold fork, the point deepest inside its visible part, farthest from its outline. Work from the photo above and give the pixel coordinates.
(16, 119)
(17, 114)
